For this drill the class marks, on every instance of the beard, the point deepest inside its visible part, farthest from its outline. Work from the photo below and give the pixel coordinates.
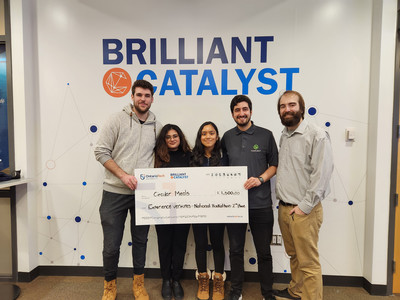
(242, 122)
(140, 110)
(294, 120)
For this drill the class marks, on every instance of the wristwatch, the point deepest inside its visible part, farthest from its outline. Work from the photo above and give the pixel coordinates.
(261, 179)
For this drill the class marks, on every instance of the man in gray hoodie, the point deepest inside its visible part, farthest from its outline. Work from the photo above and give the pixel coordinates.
(126, 143)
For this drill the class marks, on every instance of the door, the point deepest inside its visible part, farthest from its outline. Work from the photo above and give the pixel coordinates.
(396, 251)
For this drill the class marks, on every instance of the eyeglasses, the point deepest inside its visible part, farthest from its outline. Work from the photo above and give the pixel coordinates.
(170, 137)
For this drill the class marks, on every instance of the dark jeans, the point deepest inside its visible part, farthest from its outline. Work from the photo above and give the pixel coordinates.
(217, 243)
(172, 241)
(261, 222)
(113, 211)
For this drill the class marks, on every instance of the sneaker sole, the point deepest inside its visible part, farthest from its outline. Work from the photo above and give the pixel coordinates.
(240, 297)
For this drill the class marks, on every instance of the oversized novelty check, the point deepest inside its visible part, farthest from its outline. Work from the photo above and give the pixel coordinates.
(191, 195)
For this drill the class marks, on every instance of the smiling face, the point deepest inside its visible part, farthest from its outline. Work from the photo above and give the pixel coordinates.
(172, 140)
(289, 111)
(142, 100)
(242, 115)
(208, 137)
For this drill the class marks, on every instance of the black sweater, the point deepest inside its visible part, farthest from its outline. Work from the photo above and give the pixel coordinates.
(177, 159)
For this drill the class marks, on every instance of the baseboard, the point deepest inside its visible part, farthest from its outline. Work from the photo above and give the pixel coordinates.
(329, 280)
(28, 276)
(375, 289)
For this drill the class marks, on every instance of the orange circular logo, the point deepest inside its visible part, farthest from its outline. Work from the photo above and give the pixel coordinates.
(117, 82)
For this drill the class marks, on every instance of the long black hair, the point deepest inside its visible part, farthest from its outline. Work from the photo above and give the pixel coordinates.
(161, 148)
(198, 150)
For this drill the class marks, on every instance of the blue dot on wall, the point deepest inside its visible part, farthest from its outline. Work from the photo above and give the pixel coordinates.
(74, 249)
(312, 111)
(93, 128)
(82, 257)
(84, 183)
(284, 271)
(45, 183)
(130, 244)
(78, 219)
(48, 217)
(327, 124)
(40, 253)
(252, 260)
(350, 202)
(67, 83)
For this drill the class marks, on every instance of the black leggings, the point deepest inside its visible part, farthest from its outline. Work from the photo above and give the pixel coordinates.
(217, 244)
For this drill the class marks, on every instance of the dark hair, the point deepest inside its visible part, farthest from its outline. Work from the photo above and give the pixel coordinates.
(241, 98)
(301, 101)
(143, 84)
(161, 149)
(198, 150)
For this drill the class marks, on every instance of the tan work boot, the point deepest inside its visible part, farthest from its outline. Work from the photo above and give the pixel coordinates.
(218, 286)
(203, 293)
(139, 291)
(110, 290)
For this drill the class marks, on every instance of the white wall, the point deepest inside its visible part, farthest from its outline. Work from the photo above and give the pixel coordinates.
(57, 58)
(26, 131)
(380, 128)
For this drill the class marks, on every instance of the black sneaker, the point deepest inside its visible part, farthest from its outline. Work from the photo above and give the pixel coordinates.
(234, 296)
(178, 290)
(284, 294)
(166, 290)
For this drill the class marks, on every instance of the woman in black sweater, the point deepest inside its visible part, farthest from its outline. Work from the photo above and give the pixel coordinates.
(172, 150)
(207, 152)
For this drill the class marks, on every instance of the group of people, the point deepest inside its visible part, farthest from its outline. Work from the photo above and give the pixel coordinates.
(134, 139)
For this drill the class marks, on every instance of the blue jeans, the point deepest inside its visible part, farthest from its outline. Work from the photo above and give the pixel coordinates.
(261, 222)
(113, 211)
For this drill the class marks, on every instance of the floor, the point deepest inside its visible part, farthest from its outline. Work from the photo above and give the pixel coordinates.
(87, 288)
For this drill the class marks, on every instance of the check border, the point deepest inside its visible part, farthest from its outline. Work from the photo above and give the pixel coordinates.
(191, 195)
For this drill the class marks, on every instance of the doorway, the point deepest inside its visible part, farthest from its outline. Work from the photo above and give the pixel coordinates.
(396, 208)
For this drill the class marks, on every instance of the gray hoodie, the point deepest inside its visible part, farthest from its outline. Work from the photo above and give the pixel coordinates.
(129, 143)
